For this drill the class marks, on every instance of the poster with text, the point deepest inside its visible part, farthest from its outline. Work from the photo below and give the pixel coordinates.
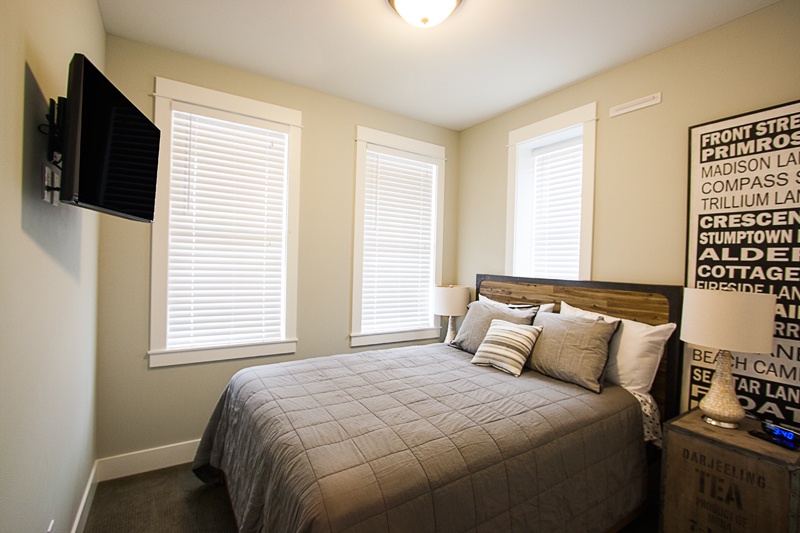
(744, 235)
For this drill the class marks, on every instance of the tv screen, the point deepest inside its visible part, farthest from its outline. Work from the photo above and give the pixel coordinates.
(109, 160)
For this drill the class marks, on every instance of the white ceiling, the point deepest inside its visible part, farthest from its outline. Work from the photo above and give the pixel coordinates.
(488, 57)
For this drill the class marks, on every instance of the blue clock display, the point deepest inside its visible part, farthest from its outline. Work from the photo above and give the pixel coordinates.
(778, 431)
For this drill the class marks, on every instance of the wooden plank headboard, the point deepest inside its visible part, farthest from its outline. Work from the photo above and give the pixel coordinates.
(651, 304)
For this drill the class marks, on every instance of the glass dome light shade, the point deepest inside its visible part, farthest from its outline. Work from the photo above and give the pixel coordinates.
(424, 13)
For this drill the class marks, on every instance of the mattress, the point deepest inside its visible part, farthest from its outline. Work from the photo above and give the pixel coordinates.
(419, 439)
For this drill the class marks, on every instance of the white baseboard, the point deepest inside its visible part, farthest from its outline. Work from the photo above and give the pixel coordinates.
(86, 502)
(129, 464)
(142, 461)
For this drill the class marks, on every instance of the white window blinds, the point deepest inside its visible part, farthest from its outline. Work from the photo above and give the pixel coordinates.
(399, 254)
(548, 205)
(223, 281)
(553, 247)
(226, 255)
(397, 238)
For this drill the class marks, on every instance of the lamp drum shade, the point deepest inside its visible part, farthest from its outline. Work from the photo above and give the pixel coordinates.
(728, 320)
(450, 300)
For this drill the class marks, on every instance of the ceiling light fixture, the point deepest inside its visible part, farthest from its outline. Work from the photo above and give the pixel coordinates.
(424, 13)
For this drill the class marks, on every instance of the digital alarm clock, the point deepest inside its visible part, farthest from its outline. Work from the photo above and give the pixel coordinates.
(774, 439)
(780, 435)
(781, 432)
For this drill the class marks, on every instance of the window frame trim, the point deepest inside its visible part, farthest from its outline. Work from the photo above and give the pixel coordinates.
(166, 92)
(365, 137)
(586, 115)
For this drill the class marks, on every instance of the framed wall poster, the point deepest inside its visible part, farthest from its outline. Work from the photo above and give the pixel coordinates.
(744, 235)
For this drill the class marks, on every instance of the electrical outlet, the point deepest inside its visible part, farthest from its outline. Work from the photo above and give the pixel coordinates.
(50, 527)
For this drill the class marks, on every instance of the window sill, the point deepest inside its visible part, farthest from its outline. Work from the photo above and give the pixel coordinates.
(369, 339)
(161, 358)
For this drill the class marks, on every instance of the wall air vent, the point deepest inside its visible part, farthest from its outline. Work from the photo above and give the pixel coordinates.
(633, 105)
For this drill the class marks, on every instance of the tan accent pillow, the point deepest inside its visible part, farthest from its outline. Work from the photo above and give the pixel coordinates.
(572, 349)
(507, 346)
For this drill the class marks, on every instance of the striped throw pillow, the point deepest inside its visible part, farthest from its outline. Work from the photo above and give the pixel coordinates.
(507, 346)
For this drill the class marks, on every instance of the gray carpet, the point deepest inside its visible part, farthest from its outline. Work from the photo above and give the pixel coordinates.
(171, 500)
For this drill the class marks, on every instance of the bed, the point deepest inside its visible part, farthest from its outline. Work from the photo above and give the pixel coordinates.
(420, 438)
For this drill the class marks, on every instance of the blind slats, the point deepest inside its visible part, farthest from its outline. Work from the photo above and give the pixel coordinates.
(399, 243)
(225, 282)
(547, 231)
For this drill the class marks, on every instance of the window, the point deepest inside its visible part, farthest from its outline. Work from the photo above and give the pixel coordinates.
(397, 242)
(551, 197)
(224, 236)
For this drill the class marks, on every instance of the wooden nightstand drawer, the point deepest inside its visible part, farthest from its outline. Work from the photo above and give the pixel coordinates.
(717, 480)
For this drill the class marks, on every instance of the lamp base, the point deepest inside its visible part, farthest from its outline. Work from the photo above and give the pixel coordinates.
(720, 406)
(728, 425)
(451, 330)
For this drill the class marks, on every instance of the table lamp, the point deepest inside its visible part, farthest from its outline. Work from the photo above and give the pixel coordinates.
(450, 301)
(731, 322)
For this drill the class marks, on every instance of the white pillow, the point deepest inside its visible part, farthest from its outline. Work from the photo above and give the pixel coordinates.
(634, 352)
(543, 308)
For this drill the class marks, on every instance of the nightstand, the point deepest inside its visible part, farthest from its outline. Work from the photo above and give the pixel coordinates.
(716, 479)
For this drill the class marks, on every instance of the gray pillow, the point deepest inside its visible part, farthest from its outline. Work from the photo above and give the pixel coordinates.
(479, 318)
(572, 349)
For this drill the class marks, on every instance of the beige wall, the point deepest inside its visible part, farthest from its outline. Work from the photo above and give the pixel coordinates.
(139, 408)
(642, 157)
(48, 273)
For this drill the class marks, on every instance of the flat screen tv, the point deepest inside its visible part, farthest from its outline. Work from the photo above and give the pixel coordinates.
(109, 149)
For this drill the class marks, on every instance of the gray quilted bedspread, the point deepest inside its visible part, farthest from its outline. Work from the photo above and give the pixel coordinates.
(418, 439)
